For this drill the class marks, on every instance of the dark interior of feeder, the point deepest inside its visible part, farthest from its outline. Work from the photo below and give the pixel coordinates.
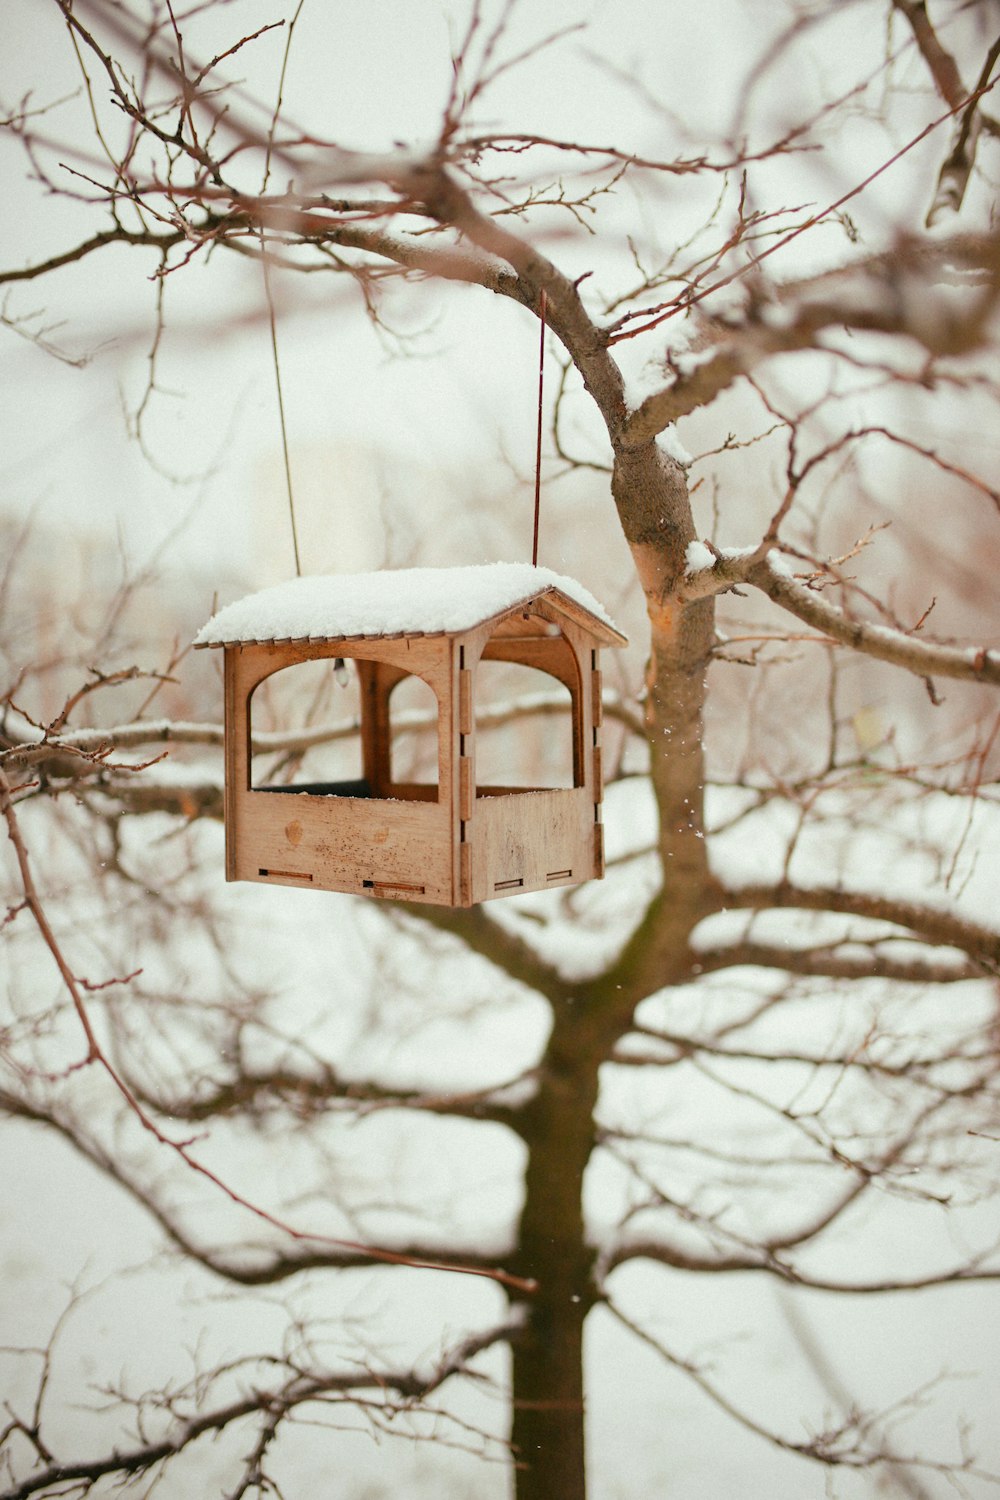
(359, 787)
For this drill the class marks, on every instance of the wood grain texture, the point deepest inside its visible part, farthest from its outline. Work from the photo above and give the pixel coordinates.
(346, 843)
(454, 843)
(531, 840)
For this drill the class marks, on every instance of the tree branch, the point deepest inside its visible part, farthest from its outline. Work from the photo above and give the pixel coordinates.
(485, 936)
(310, 1094)
(158, 240)
(924, 658)
(263, 1265)
(943, 67)
(97, 1056)
(271, 1403)
(893, 293)
(659, 1253)
(981, 944)
(826, 963)
(771, 574)
(845, 1445)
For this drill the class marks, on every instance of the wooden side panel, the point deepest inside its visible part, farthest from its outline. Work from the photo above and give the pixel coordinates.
(372, 846)
(364, 845)
(529, 841)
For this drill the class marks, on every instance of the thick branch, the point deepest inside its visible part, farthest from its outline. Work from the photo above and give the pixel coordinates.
(449, 262)
(770, 573)
(982, 944)
(308, 1094)
(974, 1273)
(426, 183)
(182, 799)
(827, 963)
(925, 658)
(262, 1265)
(61, 755)
(894, 293)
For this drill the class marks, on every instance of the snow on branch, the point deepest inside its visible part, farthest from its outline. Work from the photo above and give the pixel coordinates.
(924, 658)
(714, 571)
(79, 752)
(940, 294)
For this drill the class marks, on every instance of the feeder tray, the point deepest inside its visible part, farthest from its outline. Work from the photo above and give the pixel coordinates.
(455, 843)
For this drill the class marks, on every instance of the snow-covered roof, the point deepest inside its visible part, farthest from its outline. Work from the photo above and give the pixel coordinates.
(401, 601)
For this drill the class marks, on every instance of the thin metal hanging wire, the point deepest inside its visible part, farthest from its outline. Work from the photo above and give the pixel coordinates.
(281, 406)
(270, 296)
(538, 442)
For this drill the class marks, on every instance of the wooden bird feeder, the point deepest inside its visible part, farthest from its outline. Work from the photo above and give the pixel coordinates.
(451, 841)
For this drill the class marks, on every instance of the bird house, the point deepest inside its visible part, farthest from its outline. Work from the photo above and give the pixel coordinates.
(450, 836)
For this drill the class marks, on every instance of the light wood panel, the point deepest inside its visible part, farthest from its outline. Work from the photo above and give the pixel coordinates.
(457, 844)
(345, 843)
(396, 843)
(529, 841)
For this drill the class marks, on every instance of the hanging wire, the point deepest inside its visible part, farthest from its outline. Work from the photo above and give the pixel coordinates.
(270, 298)
(538, 443)
(281, 406)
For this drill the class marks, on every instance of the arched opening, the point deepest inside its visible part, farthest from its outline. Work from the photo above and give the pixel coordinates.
(413, 739)
(344, 727)
(305, 729)
(527, 721)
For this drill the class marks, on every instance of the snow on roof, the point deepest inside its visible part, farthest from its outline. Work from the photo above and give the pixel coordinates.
(391, 602)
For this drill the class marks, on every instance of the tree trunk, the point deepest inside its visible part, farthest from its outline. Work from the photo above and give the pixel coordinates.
(651, 494)
(547, 1426)
(548, 1396)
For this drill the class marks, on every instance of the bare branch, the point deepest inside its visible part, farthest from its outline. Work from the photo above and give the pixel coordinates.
(922, 657)
(896, 293)
(97, 1056)
(160, 240)
(764, 568)
(268, 1401)
(828, 963)
(981, 944)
